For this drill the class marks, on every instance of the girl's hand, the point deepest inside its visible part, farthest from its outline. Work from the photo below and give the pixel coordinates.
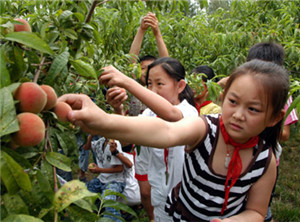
(93, 168)
(113, 77)
(85, 113)
(115, 97)
(151, 20)
(112, 146)
(143, 25)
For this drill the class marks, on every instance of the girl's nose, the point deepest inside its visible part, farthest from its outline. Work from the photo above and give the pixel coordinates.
(239, 115)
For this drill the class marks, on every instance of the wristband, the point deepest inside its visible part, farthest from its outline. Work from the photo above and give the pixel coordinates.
(115, 153)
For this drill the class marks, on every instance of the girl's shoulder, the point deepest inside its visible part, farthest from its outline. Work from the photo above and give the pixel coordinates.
(187, 109)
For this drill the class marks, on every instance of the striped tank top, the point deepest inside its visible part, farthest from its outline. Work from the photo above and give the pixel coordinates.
(200, 194)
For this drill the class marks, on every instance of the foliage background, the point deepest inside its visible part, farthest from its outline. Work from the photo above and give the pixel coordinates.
(70, 44)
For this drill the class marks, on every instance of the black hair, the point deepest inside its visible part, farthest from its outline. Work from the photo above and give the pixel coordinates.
(147, 57)
(174, 69)
(274, 82)
(267, 51)
(209, 73)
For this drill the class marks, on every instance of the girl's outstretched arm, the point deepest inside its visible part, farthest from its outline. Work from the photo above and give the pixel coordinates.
(163, 108)
(147, 131)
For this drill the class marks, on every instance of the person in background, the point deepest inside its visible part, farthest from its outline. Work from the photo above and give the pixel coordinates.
(203, 105)
(109, 168)
(230, 168)
(132, 189)
(115, 97)
(167, 97)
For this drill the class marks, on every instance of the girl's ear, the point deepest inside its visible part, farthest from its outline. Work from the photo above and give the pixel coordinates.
(276, 119)
(181, 85)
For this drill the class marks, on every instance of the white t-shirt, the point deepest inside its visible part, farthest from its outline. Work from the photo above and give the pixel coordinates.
(173, 158)
(104, 159)
(157, 167)
(132, 189)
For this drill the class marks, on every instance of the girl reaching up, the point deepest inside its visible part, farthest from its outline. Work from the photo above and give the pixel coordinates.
(167, 97)
(229, 168)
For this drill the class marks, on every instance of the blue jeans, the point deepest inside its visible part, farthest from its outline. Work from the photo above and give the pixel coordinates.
(96, 186)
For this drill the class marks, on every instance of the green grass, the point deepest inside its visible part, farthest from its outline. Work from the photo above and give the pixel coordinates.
(286, 202)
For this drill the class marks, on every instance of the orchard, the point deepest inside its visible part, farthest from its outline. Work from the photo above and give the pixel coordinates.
(50, 48)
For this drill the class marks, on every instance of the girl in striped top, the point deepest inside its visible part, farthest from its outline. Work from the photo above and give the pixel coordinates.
(230, 168)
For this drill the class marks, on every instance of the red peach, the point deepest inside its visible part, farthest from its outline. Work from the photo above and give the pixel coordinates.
(25, 27)
(61, 109)
(51, 97)
(32, 130)
(31, 96)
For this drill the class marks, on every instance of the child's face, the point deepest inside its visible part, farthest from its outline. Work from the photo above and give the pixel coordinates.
(244, 110)
(164, 85)
(144, 68)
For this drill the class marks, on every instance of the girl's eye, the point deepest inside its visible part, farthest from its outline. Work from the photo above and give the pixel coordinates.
(232, 101)
(252, 109)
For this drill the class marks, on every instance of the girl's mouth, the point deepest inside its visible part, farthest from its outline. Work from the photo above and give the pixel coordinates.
(235, 126)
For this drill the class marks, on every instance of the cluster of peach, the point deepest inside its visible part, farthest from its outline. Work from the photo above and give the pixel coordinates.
(33, 99)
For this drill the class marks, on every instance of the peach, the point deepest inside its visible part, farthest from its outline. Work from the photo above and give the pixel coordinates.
(61, 109)
(51, 97)
(31, 96)
(25, 27)
(32, 130)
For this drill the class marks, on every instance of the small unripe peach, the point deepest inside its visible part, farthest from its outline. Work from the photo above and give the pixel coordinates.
(91, 166)
(61, 109)
(25, 27)
(51, 97)
(32, 130)
(31, 96)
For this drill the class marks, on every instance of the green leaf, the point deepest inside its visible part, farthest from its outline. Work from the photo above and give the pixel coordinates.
(59, 160)
(84, 69)
(4, 77)
(21, 218)
(30, 40)
(80, 215)
(13, 175)
(8, 120)
(57, 66)
(18, 157)
(69, 193)
(44, 185)
(119, 206)
(71, 34)
(14, 204)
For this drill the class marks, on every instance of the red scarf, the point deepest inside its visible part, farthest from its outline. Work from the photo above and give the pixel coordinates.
(198, 107)
(235, 166)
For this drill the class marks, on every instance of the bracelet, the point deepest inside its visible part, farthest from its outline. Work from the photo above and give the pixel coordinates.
(115, 153)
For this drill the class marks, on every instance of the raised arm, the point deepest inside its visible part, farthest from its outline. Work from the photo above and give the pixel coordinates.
(147, 131)
(163, 108)
(152, 21)
(138, 39)
(149, 20)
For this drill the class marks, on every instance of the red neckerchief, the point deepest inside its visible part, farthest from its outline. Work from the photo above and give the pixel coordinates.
(198, 107)
(235, 166)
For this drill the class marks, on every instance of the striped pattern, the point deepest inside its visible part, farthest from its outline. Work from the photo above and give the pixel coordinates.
(200, 195)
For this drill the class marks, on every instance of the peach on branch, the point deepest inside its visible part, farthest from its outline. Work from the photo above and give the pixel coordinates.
(22, 27)
(31, 96)
(51, 97)
(32, 130)
(61, 109)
